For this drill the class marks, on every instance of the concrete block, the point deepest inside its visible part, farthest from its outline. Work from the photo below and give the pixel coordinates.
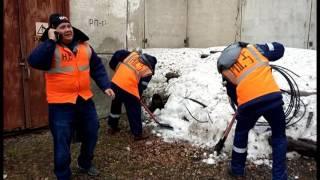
(101, 100)
(135, 26)
(104, 21)
(165, 23)
(212, 23)
(285, 21)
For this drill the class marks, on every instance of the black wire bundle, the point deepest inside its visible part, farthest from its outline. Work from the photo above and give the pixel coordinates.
(292, 110)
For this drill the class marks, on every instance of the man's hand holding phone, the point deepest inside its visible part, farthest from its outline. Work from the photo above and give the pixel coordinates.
(54, 34)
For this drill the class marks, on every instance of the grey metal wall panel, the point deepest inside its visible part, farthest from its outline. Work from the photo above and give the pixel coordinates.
(165, 23)
(104, 21)
(212, 23)
(285, 21)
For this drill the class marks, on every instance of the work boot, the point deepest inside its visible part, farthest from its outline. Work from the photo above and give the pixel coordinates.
(141, 137)
(92, 171)
(113, 131)
(235, 176)
(291, 178)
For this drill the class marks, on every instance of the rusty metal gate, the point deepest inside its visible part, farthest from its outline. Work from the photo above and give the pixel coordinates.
(24, 101)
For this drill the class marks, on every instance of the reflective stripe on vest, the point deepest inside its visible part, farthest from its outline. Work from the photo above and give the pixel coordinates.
(69, 75)
(61, 69)
(129, 72)
(252, 75)
(134, 63)
(242, 69)
(58, 68)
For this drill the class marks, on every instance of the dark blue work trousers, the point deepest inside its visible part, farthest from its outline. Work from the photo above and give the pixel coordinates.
(63, 120)
(245, 121)
(133, 109)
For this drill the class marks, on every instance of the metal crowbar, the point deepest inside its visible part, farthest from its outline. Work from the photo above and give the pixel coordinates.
(167, 126)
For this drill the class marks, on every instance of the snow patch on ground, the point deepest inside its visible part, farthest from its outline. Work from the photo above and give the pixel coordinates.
(200, 80)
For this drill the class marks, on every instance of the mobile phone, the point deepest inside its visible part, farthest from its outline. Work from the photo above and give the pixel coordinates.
(58, 36)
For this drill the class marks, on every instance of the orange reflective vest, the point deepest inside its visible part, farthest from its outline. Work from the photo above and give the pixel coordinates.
(251, 74)
(69, 75)
(129, 72)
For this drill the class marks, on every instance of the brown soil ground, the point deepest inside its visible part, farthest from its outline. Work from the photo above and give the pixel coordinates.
(30, 156)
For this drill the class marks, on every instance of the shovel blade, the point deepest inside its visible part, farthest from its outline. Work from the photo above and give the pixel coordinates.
(219, 146)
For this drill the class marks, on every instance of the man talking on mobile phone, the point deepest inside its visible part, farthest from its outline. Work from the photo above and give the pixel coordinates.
(69, 62)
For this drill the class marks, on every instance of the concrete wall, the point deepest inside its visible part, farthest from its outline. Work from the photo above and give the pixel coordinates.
(119, 24)
(135, 26)
(101, 100)
(313, 26)
(165, 23)
(212, 23)
(286, 21)
(104, 21)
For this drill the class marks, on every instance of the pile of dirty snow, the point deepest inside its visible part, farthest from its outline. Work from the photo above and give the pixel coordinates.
(199, 80)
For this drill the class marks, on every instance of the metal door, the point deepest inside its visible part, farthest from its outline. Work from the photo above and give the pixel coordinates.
(13, 103)
(25, 105)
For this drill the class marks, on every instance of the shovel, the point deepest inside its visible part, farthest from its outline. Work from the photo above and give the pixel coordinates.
(167, 126)
(218, 147)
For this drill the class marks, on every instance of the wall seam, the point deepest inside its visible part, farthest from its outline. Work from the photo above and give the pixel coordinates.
(127, 24)
(238, 22)
(144, 24)
(241, 19)
(186, 43)
(309, 28)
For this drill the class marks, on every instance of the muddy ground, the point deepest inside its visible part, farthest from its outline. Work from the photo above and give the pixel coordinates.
(30, 156)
